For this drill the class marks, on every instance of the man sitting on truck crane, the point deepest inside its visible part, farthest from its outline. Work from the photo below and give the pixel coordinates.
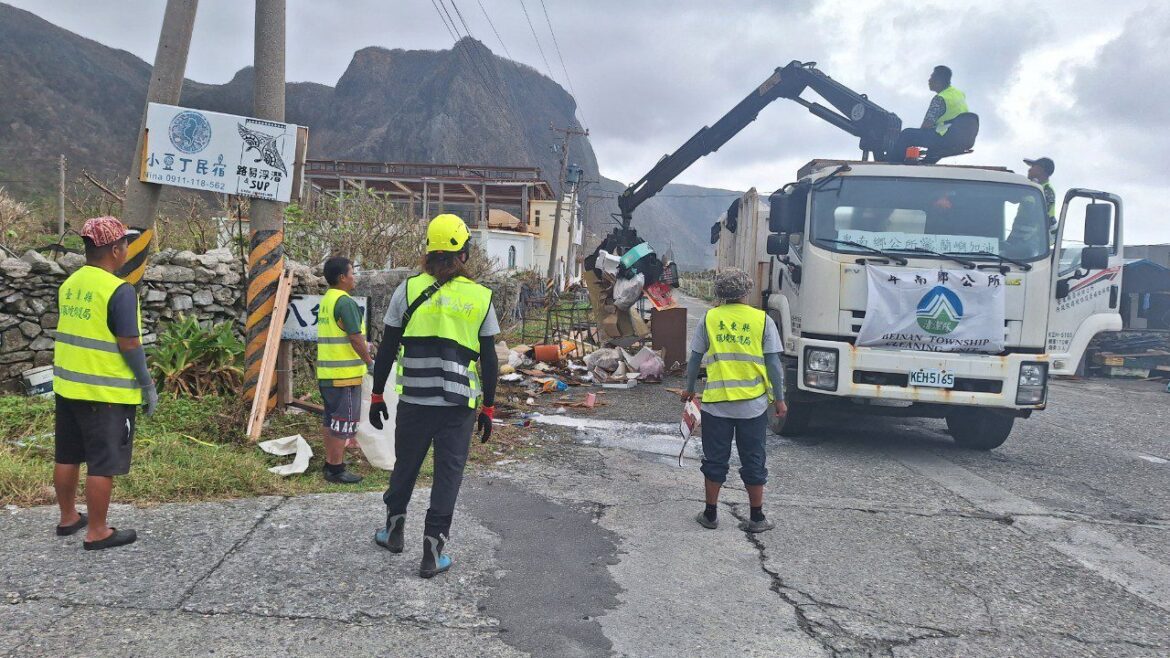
(947, 104)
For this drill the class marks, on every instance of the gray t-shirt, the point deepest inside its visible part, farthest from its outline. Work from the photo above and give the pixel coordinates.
(737, 408)
(393, 318)
(122, 312)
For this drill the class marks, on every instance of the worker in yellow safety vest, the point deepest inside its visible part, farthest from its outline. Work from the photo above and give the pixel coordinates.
(440, 327)
(100, 377)
(1040, 171)
(743, 374)
(342, 358)
(948, 103)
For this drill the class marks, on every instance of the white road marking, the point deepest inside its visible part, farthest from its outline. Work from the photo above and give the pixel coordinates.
(1152, 459)
(1093, 548)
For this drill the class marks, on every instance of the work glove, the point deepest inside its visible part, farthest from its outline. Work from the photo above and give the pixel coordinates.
(378, 410)
(486, 416)
(150, 398)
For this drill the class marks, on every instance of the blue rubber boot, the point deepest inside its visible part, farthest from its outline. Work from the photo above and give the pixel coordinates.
(434, 562)
(390, 537)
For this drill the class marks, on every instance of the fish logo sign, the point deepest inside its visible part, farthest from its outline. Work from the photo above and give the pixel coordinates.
(190, 132)
(939, 311)
(265, 144)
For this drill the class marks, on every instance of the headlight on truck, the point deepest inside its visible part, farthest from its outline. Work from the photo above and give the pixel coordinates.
(820, 368)
(1033, 383)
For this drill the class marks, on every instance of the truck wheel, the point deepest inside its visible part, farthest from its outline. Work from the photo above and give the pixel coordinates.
(795, 423)
(979, 429)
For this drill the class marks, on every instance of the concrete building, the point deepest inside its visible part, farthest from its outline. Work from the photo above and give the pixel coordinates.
(541, 222)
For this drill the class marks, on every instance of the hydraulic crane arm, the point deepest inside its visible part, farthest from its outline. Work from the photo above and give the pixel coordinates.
(876, 127)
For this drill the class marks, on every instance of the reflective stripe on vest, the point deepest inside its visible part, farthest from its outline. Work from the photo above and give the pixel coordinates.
(440, 344)
(87, 364)
(336, 357)
(735, 337)
(956, 102)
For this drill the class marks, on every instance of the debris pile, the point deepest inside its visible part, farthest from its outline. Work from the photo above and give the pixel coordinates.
(1137, 354)
(549, 376)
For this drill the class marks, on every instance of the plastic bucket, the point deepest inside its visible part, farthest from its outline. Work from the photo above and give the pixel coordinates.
(38, 381)
(547, 353)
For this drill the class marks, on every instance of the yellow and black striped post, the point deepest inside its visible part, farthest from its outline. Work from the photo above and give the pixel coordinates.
(265, 264)
(135, 265)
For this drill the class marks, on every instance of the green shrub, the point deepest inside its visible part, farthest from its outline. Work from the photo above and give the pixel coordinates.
(193, 360)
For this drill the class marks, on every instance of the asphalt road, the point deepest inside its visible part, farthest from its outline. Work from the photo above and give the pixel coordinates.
(889, 541)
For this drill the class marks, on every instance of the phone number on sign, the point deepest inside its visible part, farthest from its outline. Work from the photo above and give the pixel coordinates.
(203, 183)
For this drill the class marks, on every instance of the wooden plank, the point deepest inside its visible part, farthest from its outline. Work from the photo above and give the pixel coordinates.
(268, 361)
(284, 367)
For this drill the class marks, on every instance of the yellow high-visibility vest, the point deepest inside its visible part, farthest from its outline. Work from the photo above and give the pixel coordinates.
(336, 357)
(87, 364)
(956, 102)
(439, 356)
(735, 337)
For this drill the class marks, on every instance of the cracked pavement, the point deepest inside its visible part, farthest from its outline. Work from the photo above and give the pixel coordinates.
(889, 541)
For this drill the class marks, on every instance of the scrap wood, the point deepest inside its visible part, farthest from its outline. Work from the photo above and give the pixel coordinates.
(268, 361)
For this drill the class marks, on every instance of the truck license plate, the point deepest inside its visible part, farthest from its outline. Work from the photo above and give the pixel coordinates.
(932, 377)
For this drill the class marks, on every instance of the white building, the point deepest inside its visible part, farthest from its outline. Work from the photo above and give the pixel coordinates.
(541, 220)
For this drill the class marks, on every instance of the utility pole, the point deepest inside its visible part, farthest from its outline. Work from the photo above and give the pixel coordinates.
(61, 197)
(266, 242)
(567, 134)
(166, 83)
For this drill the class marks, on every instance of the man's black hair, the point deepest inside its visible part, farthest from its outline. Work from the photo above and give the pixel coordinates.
(943, 73)
(94, 252)
(335, 268)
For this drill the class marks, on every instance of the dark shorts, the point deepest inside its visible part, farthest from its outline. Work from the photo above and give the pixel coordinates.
(343, 408)
(750, 435)
(99, 434)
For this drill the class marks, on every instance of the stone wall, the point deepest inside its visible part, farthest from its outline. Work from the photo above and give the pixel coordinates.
(209, 286)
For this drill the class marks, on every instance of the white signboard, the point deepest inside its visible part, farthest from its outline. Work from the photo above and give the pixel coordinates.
(301, 321)
(219, 152)
(934, 310)
(941, 243)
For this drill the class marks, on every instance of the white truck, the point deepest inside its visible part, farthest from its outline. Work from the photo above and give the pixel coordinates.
(930, 221)
(902, 286)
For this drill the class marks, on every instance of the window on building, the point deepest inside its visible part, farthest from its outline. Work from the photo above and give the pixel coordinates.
(536, 214)
(512, 257)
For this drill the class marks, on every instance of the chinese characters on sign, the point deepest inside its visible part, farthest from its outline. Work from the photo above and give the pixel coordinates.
(301, 321)
(944, 243)
(218, 152)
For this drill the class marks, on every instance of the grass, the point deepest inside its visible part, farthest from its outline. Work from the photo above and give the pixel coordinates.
(191, 450)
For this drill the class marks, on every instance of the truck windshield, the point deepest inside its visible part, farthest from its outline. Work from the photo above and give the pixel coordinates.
(946, 216)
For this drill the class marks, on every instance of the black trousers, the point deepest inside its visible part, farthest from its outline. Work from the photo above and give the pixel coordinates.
(926, 138)
(417, 427)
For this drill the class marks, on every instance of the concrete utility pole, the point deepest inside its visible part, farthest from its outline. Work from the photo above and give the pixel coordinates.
(266, 244)
(61, 197)
(568, 133)
(166, 83)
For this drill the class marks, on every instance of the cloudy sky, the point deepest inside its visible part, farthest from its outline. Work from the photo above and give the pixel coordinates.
(1084, 82)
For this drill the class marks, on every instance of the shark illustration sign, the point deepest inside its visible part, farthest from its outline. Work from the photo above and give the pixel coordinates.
(217, 152)
(934, 310)
(940, 311)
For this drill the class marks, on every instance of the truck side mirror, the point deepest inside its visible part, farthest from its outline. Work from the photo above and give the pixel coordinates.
(1098, 221)
(1062, 288)
(1094, 258)
(778, 244)
(787, 207)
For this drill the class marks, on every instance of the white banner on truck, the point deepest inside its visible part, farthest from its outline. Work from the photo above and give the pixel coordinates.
(934, 310)
(219, 152)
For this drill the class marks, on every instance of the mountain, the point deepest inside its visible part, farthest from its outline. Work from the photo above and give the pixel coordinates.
(65, 94)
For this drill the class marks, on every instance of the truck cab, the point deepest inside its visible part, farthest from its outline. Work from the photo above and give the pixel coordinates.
(845, 228)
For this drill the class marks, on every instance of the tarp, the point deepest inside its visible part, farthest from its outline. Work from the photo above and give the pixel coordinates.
(933, 310)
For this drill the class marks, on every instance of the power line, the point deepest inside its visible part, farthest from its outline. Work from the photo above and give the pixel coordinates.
(493, 26)
(475, 60)
(537, 40)
(444, 19)
(560, 57)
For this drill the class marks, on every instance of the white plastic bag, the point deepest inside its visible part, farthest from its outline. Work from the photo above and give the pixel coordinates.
(628, 291)
(378, 444)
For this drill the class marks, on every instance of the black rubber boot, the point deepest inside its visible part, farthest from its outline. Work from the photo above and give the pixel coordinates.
(434, 562)
(390, 537)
